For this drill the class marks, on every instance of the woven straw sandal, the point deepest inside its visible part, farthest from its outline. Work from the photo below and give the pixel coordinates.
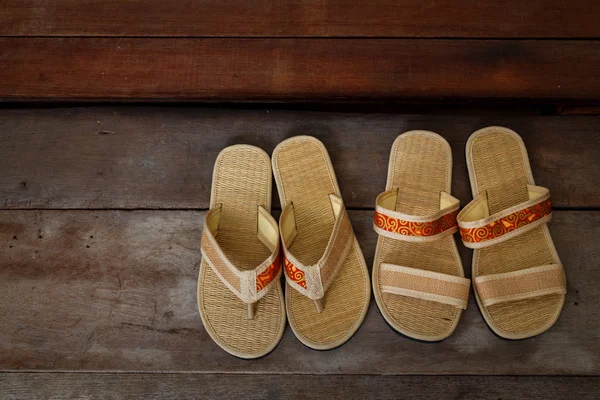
(328, 291)
(240, 298)
(519, 281)
(418, 278)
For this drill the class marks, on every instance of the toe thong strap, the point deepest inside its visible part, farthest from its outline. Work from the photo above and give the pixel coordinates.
(480, 229)
(248, 285)
(426, 285)
(314, 280)
(396, 225)
(520, 285)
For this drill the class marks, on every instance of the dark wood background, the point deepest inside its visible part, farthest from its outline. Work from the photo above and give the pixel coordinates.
(111, 117)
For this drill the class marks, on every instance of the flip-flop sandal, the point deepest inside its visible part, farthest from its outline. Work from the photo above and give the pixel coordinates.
(418, 278)
(240, 298)
(328, 291)
(519, 281)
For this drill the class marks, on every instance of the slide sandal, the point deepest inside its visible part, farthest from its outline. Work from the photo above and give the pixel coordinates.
(418, 278)
(519, 281)
(328, 290)
(240, 298)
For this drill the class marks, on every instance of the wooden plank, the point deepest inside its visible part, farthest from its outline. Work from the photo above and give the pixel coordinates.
(307, 18)
(579, 110)
(156, 157)
(16, 386)
(296, 69)
(116, 291)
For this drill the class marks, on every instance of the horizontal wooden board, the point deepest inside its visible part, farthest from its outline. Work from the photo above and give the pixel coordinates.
(25, 386)
(579, 110)
(157, 157)
(296, 69)
(116, 291)
(347, 18)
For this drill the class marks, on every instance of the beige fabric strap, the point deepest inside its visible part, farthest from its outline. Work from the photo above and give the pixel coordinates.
(314, 280)
(426, 285)
(520, 285)
(396, 225)
(248, 285)
(480, 229)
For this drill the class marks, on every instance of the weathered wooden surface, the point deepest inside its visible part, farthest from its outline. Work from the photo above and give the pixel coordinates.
(153, 157)
(116, 291)
(263, 18)
(296, 69)
(17, 386)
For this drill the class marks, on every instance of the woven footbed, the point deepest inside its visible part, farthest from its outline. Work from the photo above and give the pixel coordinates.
(304, 175)
(241, 182)
(498, 162)
(420, 166)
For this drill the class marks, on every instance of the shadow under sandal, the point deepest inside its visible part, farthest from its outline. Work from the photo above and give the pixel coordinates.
(519, 281)
(239, 291)
(418, 278)
(328, 289)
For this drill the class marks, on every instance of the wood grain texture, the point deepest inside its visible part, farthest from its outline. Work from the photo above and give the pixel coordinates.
(296, 69)
(347, 18)
(116, 291)
(17, 386)
(157, 157)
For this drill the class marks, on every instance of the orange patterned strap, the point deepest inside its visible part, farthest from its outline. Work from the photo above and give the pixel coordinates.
(314, 280)
(248, 285)
(521, 285)
(426, 285)
(480, 229)
(396, 225)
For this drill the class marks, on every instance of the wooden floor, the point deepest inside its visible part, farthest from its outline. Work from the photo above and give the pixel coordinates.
(111, 118)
